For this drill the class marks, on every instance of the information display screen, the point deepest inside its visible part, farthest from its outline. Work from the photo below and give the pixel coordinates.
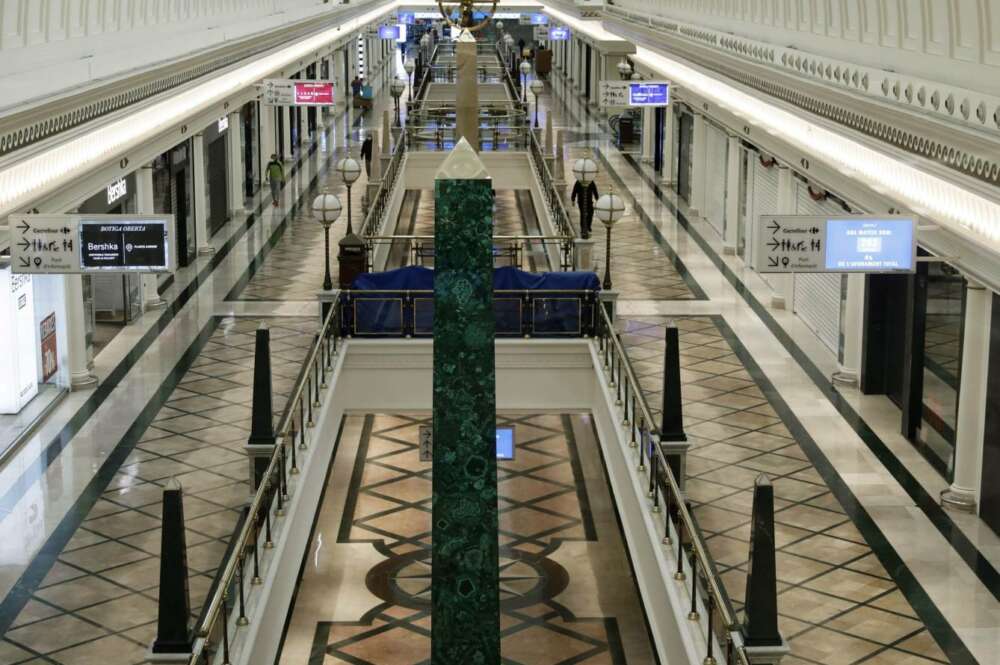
(388, 32)
(539, 19)
(505, 443)
(870, 245)
(406, 18)
(313, 93)
(648, 93)
(558, 34)
(139, 245)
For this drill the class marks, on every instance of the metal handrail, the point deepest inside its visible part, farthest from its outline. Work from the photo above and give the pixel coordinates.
(552, 195)
(375, 217)
(268, 501)
(639, 421)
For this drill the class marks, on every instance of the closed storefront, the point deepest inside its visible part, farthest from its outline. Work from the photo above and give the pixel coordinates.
(715, 177)
(172, 191)
(216, 187)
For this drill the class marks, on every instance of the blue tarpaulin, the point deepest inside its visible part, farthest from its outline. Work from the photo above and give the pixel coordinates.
(418, 278)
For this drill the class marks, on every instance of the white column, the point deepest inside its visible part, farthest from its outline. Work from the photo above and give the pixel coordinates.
(648, 133)
(341, 88)
(144, 202)
(698, 158)
(669, 176)
(734, 154)
(236, 168)
(595, 75)
(76, 334)
(200, 207)
(286, 133)
(784, 285)
(268, 139)
(849, 366)
(964, 491)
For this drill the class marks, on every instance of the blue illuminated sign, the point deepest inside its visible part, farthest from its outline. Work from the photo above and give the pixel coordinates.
(558, 34)
(539, 19)
(505, 443)
(648, 93)
(870, 245)
(406, 18)
(388, 32)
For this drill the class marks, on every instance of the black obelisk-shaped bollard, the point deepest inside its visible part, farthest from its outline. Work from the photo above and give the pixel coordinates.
(172, 633)
(262, 414)
(761, 629)
(671, 413)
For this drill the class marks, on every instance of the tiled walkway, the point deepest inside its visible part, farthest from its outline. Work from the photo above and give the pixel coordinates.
(838, 605)
(566, 593)
(99, 597)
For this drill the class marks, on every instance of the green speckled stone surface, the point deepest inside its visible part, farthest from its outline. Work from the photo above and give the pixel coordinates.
(465, 573)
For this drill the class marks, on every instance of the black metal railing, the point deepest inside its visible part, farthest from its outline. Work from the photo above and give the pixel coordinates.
(239, 584)
(379, 203)
(695, 566)
(553, 197)
(519, 313)
(520, 251)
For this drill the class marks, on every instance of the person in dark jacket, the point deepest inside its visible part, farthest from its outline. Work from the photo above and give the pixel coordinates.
(584, 196)
(366, 154)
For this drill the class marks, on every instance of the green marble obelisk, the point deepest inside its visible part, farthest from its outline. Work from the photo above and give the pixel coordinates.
(465, 594)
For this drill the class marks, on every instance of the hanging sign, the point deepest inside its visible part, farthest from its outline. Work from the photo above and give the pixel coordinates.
(406, 18)
(540, 33)
(803, 243)
(61, 244)
(559, 34)
(613, 93)
(539, 19)
(388, 32)
(648, 93)
(292, 92)
(524, 19)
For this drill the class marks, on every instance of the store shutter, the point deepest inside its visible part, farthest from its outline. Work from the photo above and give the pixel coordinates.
(715, 177)
(762, 193)
(818, 295)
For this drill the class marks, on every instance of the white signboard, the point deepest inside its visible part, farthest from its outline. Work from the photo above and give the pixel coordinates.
(800, 243)
(91, 243)
(613, 93)
(541, 33)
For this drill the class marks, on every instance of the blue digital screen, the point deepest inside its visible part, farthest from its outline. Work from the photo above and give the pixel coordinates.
(406, 18)
(648, 94)
(558, 34)
(870, 245)
(539, 19)
(505, 443)
(388, 32)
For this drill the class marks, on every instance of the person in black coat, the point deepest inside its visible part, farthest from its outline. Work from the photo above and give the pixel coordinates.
(585, 196)
(366, 154)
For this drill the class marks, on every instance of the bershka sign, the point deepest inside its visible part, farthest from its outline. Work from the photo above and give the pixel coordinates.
(117, 190)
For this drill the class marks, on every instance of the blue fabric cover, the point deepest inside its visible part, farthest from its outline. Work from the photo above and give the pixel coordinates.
(418, 278)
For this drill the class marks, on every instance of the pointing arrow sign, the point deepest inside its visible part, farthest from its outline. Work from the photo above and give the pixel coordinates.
(773, 244)
(24, 227)
(24, 244)
(25, 262)
(774, 227)
(772, 262)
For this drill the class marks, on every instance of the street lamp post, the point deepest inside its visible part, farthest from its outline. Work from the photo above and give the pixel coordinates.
(408, 67)
(326, 209)
(585, 169)
(537, 87)
(525, 70)
(396, 90)
(609, 209)
(508, 40)
(349, 170)
(624, 69)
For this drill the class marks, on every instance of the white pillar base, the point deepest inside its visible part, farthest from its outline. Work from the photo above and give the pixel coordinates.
(729, 250)
(845, 376)
(778, 301)
(206, 250)
(959, 499)
(84, 381)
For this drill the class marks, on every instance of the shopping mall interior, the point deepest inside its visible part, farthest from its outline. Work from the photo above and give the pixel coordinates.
(499, 332)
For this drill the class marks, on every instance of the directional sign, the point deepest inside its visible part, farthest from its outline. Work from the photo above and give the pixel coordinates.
(648, 93)
(388, 32)
(613, 93)
(44, 244)
(62, 244)
(801, 243)
(406, 18)
(558, 34)
(290, 92)
(539, 19)
(524, 19)
(540, 33)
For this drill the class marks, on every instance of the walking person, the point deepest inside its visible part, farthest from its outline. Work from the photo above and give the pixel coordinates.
(585, 196)
(366, 154)
(275, 176)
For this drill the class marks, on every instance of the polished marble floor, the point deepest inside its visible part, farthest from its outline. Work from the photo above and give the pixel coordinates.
(567, 595)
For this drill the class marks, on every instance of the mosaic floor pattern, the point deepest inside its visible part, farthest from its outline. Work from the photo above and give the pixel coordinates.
(837, 603)
(99, 596)
(559, 548)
